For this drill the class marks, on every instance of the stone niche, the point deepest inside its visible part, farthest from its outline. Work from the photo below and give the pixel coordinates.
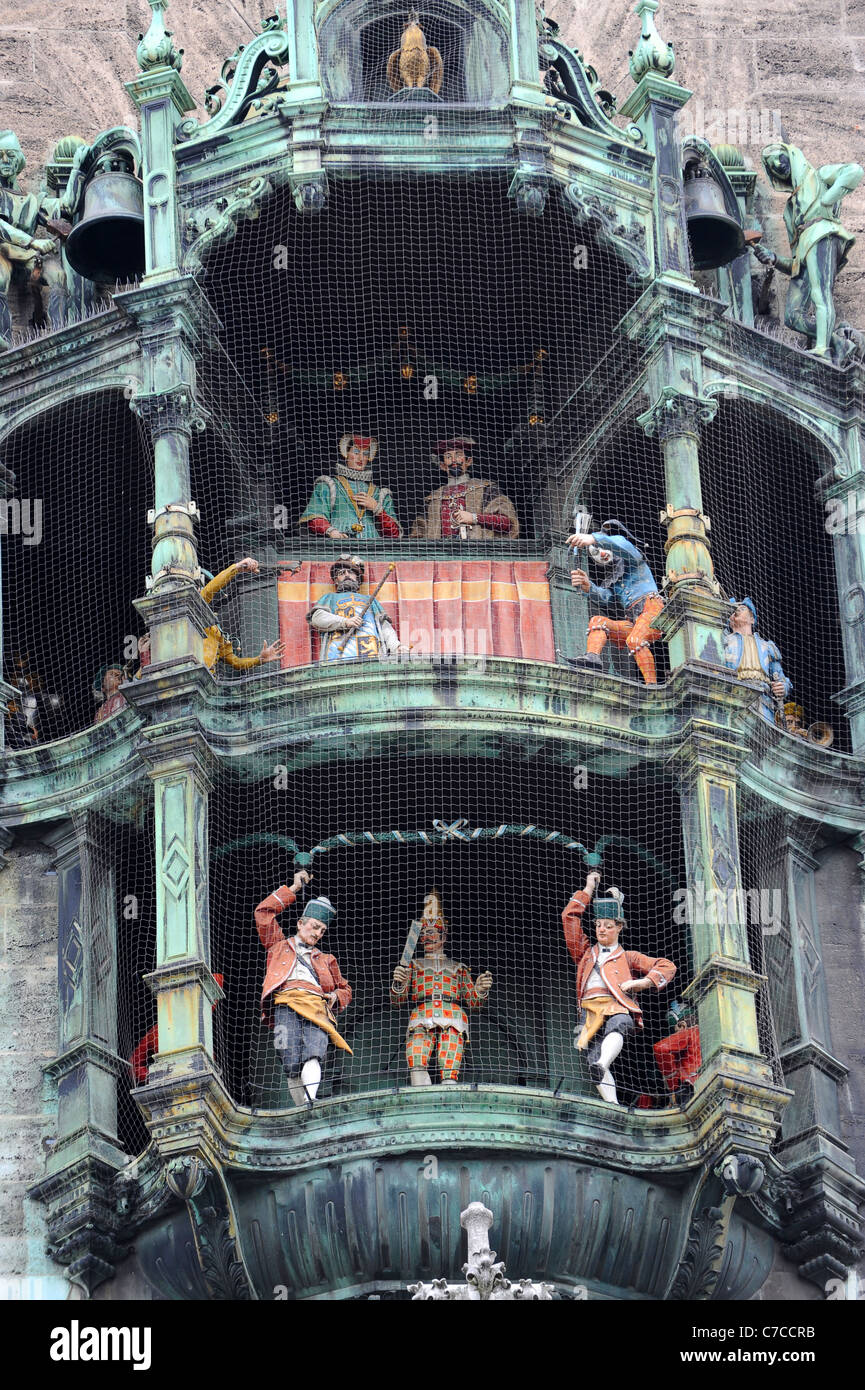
(357, 37)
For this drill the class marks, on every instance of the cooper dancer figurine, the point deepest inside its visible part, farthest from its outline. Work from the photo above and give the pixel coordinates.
(678, 1056)
(632, 584)
(303, 988)
(605, 982)
(438, 987)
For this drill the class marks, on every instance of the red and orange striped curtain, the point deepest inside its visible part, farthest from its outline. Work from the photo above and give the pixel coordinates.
(439, 607)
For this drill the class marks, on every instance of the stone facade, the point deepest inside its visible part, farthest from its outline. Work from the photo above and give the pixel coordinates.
(28, 1007)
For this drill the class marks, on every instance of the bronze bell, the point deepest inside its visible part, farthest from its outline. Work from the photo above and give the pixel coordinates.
(716, 238)
(107, 241)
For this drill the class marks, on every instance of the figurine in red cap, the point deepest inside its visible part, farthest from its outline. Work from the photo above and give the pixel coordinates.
(350, 505)
(464, 508)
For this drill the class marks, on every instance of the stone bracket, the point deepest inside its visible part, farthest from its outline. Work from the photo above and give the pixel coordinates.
(628, 242)
(214, 1226)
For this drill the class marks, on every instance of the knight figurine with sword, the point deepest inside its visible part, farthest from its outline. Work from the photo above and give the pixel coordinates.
(438, 988)
(353, 626)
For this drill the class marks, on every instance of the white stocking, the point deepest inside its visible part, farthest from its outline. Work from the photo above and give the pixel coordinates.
(610, 1049)
(298, 1094)
(310, 1075)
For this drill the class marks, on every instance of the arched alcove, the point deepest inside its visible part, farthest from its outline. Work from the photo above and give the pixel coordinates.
(357, 37)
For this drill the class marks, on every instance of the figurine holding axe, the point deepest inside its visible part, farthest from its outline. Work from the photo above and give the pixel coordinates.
(353, 627)
(438, 988)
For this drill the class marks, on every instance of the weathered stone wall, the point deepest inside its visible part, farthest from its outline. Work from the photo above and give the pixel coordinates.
(28, 1039)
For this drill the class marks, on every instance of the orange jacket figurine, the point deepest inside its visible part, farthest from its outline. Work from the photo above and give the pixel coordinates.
(302, 988)
(606, 981)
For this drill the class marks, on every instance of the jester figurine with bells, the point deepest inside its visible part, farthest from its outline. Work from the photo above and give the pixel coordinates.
(349, 505)
(303, 988)
(607, 978)
(217, 646)
(438, 988)
(352, 626)
(628, 581)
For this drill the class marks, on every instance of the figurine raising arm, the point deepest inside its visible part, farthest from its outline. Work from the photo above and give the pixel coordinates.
(606, 981)
(216, 645)
(631, 582)
(302, 988)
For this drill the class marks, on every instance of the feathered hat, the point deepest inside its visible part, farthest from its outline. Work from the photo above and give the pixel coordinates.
(363, 441)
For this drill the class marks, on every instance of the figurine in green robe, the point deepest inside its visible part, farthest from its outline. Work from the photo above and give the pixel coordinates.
(350, 506)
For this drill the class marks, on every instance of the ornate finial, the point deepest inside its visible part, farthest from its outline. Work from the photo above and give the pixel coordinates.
(155, 48)
(651, 53)
(729, 157)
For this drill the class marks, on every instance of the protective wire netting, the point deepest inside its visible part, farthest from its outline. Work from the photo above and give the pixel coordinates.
(431, 316)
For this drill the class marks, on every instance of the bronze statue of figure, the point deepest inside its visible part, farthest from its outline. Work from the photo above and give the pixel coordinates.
(30, 223)
(818, 242)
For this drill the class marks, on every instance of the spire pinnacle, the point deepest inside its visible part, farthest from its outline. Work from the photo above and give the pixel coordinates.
(155, 48)
(651, 53)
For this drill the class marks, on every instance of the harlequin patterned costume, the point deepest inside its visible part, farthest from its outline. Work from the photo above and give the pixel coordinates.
(438, 987)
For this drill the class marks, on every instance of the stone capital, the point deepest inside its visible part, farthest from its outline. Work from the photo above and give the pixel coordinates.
(172, 411)
(675, 414)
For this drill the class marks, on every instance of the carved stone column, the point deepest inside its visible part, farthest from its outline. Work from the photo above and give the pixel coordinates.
(845, 522)
(654, 105)
(85, 1155)
(163, 100)
(692, 621)
(182, 981)
(724, 984)
(173, 322)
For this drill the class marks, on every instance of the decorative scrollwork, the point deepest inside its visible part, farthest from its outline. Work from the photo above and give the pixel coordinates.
(578, 86)
(173, 409)
(700, 1264)
(218, 220)
(627, 241)
(203, 1190)
(247, 79)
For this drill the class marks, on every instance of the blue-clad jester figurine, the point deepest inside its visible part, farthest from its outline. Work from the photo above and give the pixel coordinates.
(628, 580)
(753, 658)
